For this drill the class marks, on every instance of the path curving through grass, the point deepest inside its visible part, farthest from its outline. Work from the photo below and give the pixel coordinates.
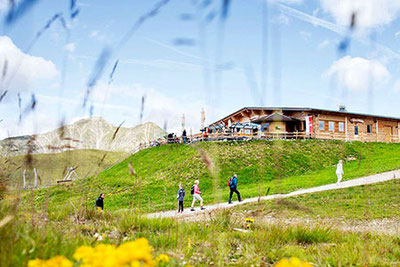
(372, 179)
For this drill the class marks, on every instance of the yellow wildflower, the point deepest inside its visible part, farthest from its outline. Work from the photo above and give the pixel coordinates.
(162, 258)
(249, 220)
(137, 253)
(83, 252)
(295, 261)
(57, 261)
(292, 262)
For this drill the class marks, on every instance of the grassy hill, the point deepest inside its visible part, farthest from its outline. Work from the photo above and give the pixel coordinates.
(51, 167)
(214, 241)
(64, 217)
(367, 202)
(282, 166)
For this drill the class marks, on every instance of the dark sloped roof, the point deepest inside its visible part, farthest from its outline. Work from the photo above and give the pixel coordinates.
(274, 117)
(307, 109)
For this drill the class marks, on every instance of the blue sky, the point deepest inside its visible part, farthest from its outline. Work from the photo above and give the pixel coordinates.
(219, 66)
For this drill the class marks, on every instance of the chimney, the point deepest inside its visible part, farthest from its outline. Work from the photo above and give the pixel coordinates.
(342, 108)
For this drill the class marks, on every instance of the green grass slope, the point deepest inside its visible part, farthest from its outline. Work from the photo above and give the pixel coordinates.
(282, 166)
(51, 167)
(367, 202)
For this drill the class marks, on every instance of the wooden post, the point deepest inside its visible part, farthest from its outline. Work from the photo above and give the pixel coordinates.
(35, 184)
(345, 129)
(398, 132)
(377, 130)
(23, 176)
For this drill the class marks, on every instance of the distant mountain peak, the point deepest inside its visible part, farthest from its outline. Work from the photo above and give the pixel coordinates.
(91, 120)
(86, 133)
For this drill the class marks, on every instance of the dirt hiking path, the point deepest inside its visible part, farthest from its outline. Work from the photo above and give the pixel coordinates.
(376, 178)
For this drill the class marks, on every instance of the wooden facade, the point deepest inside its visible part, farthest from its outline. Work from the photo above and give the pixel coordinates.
(318, 123)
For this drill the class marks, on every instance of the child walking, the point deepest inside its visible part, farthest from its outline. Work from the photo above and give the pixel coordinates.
(196, 195)
(180, 197)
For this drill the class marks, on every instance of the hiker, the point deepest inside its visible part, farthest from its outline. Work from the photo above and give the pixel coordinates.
(180, 197)
(232, 183)
(99, 202)
(339, 171)
(184, 138)
(196, 195)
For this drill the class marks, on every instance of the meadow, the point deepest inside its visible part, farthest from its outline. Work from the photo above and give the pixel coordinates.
(211, 240)
(52, 167)
(148, 180)
(58, 220)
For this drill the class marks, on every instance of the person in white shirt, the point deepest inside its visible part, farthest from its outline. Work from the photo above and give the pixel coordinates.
(339, 171)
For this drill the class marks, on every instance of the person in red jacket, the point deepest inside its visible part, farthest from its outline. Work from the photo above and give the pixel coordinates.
(196, 195)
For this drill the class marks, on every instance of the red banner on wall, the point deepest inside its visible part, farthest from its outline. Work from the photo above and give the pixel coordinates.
(309, 124)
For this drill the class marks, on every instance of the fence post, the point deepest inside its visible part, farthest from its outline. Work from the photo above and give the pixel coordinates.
(35, 184)
(23, 176)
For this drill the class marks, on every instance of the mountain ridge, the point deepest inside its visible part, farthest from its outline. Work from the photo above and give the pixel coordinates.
(91, 133)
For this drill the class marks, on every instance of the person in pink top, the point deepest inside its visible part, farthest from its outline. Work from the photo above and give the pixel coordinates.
(196, 195)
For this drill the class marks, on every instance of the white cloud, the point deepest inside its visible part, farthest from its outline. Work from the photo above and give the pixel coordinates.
(369, 13)
(287, 1)
(323, 44)
(397, 34)
(3, 5)
(358, 74)
(23, 70)
(281, 19)
(315, 12)
(97, 35)
(396, 86)
(159, 107)
(305, 35)
(341, 30)
(70, 47)
(93, 34)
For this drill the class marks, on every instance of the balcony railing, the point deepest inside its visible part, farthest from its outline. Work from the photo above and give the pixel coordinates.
(363, 137)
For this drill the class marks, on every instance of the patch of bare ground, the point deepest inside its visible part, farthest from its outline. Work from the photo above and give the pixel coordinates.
(389, 226)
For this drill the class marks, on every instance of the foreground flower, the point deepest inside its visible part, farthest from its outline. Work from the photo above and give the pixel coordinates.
(57, 261)
(249, 220)
(292, 262)
(162, 258)
(136, 253)
(99, 237)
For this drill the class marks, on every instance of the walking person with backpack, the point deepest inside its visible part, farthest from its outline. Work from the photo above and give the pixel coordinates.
(339, 171)
(180, 197)
(232, 183)
(99, 202)
(195, 191)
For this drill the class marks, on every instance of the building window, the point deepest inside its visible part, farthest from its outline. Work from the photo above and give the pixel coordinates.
(341, 126)
(355, 130)
(369, 128)
(331, 126)
(265, 127)
(321, 125)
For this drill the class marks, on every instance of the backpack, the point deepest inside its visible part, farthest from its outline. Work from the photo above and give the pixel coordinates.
(192, 190)
(230, 183)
